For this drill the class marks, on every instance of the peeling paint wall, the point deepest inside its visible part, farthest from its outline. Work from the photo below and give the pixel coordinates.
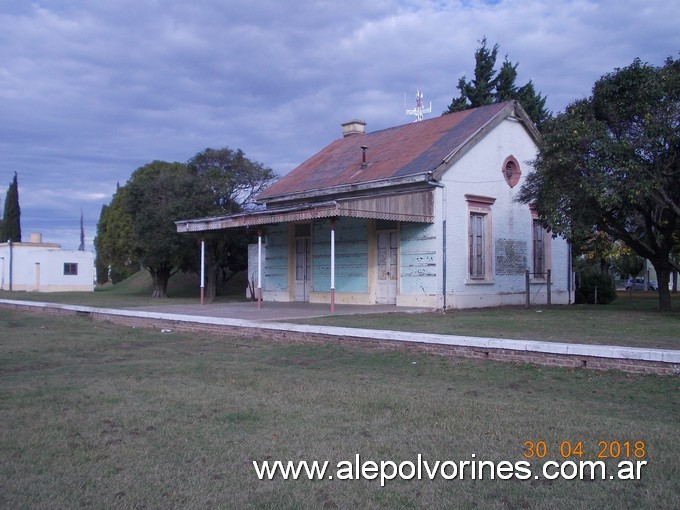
(276, 259)
(351, 255)
(418, 259)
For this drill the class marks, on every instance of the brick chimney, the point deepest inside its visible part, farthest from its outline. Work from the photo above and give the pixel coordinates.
(353, 127)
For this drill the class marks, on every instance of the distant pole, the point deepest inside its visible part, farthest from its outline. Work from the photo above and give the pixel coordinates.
(332, 265)
(259, 268)
(548, 287)
(202, 270)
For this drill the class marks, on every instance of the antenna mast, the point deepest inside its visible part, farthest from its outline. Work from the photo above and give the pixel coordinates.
(419, 111)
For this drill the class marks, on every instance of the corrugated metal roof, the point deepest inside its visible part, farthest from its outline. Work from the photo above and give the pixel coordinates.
(402, 151)
(415, 206)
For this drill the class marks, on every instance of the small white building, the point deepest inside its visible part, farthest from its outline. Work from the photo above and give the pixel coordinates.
(44, 267)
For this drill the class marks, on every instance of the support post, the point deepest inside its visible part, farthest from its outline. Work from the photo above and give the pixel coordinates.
(332, 265)
(202, 270)
(548, 288)
(259, 268)
(527, 284)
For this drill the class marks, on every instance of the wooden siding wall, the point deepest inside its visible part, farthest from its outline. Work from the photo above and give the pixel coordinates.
(351, 255)
(276, 260)
(419, 247)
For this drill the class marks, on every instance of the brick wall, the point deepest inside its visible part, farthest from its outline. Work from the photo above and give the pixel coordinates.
(493, 354)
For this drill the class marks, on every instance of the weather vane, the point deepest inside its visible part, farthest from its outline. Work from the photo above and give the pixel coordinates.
(419, 111)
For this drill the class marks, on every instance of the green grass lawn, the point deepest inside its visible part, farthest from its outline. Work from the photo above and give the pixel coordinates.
(100, 416)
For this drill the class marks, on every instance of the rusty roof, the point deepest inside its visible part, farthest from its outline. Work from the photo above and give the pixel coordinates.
(399, 152)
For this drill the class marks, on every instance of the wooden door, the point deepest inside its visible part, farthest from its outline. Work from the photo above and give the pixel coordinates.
(303, 266)
(386, 291)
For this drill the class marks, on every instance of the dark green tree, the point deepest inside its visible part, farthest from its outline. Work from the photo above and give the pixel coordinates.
(628, 264)
(101, 263)
(611, 163)
(490, 86)
(11, 219)
(113, 241)
(155, 196)
(81, 246)
(137, 229)
(228, 184)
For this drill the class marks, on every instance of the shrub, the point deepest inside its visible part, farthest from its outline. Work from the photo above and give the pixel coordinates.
(588, 281)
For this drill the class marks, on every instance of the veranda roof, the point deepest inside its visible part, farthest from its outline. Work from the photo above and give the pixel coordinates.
(413, 206)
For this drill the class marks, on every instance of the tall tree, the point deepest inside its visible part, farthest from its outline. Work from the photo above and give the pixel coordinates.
(101, 262)
(628, 264)
(81, 247)
(611, 163)
(137, 228)
(11, 220)
(155, 196)
(229, 182)
(489, 86)
(113, 243)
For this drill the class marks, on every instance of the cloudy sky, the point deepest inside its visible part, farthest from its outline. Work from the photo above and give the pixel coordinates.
(90, 90)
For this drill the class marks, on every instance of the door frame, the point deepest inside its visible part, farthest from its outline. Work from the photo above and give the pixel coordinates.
(376, 236)
(307, 280)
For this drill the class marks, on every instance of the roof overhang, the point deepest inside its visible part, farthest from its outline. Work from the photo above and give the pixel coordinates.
(414, 206)
(375, 186)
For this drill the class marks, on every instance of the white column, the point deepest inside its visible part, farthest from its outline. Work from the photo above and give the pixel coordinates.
(202, 270)
(259, 268)
(333, 265)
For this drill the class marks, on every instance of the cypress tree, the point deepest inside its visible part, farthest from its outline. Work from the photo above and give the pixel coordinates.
(490, 86)
(11, 223)
(82, 233)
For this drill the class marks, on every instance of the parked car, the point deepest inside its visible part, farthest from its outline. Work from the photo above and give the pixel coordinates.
(639, 284)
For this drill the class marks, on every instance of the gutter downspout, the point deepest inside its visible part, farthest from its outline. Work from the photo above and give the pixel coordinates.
(569, 273)
(444, 247)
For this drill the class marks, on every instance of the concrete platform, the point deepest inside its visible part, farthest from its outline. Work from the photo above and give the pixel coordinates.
(273, 311)
(246, 320)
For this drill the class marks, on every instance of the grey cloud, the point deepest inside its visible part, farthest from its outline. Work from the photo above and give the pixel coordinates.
(89, 91)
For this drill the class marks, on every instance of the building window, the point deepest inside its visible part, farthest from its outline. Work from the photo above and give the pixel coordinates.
(539, 249)
(479, 244)
(71, 268)
(511, 171)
